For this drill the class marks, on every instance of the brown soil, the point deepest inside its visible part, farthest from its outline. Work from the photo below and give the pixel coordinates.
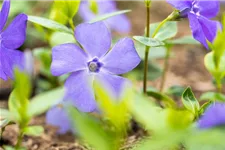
(186, 69)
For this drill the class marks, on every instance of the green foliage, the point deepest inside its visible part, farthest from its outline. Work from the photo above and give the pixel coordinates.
(91, 130)
(64, 10)
(167, 31)
(93, 6)
(149, 41)
(33, 130)
(106, 16)
(50, 24)
(190, 102)
(213, 96)
(219, 71)
(58, 38)
(42, 102)
(114, 110)
(166, 100)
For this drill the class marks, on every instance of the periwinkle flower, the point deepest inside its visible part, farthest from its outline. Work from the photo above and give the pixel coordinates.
(95, 62)
(118, 23)
(213, 116)
(199, 13)
(11, 39)
(58, 117)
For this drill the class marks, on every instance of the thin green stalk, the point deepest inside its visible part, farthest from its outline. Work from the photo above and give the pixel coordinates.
(159, 27)
(71, 24)
(219, 86)
(165, 69)
(147, 48)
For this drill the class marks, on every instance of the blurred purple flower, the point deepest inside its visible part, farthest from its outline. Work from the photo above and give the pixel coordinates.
(199, 13)
(11, 39)
(213, 116)
(118, 23)
(95, 63)
(58, 117)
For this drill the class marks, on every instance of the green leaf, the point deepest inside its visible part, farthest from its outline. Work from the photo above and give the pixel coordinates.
(4, 123)
(22, 85)
(106, 16)
(33, 130)
(114, 110)
(91, 131)
(190, 102)
(167, 31)
(212, 96)
(58, 38)
(6, 114)
(211, 139)
(14, 105)
(218, 45)
(42, 102)
(183, 40)
(155, 52)
(217, 72)
(162, 97)
(148, 41)
(68, 8)
(50, 24)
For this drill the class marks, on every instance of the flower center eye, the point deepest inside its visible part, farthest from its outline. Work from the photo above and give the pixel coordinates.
(94, 65)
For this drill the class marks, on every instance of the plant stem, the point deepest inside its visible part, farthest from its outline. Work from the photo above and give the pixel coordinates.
(165, 69)
(19, 140)
(159, 27)
(71, 24)
(219, 86)
(147, 48)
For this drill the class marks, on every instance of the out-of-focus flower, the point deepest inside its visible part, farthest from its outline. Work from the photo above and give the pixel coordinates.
(95, 62)
(58, 117)
(199, 13)
(213, 116)
(11, 39)
(118, 23)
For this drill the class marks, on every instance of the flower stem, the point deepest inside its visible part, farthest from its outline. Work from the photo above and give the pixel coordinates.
(219, 86)
(147, 48)
(71, 24)
(165, 69)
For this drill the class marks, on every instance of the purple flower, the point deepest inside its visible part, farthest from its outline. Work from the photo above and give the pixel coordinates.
(58, 117)
(118, 23)
(95, 62)
(11, 39)
(199, 13)
(213, 116)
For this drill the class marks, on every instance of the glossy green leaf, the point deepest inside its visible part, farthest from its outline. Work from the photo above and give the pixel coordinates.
(91, 131)
(190, 102)
(106, 16)
(42, 102)
(183, 40)
(212, 96)
(33, 130)
(50, 24)
(148, 41)
(167, 31)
